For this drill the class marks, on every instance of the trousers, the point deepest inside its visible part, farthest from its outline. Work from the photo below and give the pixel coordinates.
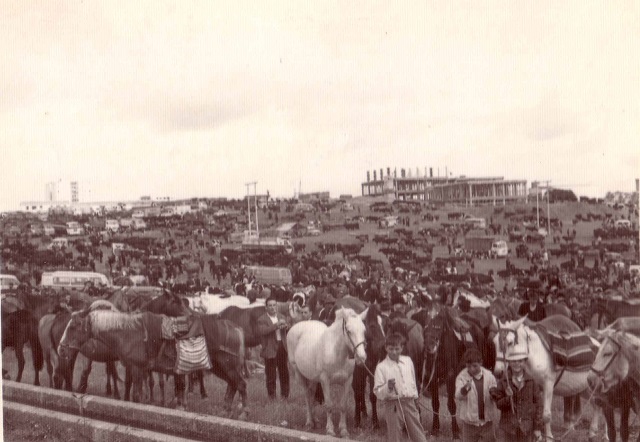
(399, 413)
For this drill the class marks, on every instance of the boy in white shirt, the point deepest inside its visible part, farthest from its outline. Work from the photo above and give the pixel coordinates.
(395, 387)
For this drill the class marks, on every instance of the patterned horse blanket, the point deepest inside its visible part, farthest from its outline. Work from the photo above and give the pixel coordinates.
(572, 351)
(189, 352)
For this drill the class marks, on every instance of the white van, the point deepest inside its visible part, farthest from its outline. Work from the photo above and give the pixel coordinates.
(8, 282)
(69, 280)
(58, 243)
(499, 249)
(270, 275)
(622, 223)
(112, 225)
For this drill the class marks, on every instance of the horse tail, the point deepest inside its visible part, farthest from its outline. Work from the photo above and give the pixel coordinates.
(241, 348)
(36, 348)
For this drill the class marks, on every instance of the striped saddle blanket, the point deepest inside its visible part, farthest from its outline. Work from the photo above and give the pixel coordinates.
(192, 355)
(572, 350)
(190, 344)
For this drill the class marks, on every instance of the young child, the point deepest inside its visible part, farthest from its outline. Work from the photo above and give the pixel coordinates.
(475, 409)
(520, 400)
(395, 387)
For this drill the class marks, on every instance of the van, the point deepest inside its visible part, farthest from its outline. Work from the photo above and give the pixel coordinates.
(72, 280)
(112, 225)
(478, 223)
(8, 283)
(499, 249)
(270, 275)
(622, 223)
(58, 243)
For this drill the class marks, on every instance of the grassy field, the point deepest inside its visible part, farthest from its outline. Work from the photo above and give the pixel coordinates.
(288, 413)
(291, 413)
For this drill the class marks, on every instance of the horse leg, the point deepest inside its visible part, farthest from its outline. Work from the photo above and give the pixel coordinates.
(624, 421)
(203, 392)
(328, 403)
(84, 378)
(610, 423)
(359, 385)
(451, 405)
(112, 373)
(374, 405)
(546, 408)
(20, 357)
(569, 413)
(435, 405)
(179, 386)
(342, 408)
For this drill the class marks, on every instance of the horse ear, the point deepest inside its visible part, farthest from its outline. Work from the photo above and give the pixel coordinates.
(496, 321)
(519, 322)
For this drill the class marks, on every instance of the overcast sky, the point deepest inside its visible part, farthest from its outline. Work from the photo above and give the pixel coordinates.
(195, 99)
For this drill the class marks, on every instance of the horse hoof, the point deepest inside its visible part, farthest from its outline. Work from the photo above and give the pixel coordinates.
(243, 416)
(204, 396)
(456, 436)
(435, 433)
(308, 426)
(344, 433)
(181, 408)
(331, 433)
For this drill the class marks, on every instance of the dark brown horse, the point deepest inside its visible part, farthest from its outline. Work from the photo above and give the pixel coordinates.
(446, 337)
(138, 340)
(19, 328)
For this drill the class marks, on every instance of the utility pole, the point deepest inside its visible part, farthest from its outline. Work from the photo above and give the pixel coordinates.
(249, 205)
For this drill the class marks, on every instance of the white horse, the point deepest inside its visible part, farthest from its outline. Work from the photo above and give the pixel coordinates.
(474, 301)
(214, 304)
(321, 354)
(519, 337)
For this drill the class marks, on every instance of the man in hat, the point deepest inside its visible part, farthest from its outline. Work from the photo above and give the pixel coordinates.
(520, 401)
(533, 309)
(327, 313)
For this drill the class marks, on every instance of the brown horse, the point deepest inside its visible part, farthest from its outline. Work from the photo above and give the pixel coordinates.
(19, 328)
(138, 341)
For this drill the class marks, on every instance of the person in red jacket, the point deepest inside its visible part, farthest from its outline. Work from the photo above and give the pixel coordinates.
(272, 327)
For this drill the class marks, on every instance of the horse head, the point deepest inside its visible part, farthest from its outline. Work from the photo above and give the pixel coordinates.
(511, 338)
(614, 360)
(76, 333)
(353, 329)
(434, 325)
(374, 334)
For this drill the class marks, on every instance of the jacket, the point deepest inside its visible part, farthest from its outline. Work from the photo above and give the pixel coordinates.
(468, 405)
(267, 331)
(526, 414)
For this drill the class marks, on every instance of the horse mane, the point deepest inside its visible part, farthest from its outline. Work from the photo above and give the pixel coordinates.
(372, 314)
(105, 320)
(102, 304)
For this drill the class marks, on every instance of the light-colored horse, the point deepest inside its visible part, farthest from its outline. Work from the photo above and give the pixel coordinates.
(519, 337)
(617, 359)
(321, 354)
(214, 304)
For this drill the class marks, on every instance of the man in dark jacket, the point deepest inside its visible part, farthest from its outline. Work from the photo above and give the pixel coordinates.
(272, 327)
(533, 309)
(520, 401)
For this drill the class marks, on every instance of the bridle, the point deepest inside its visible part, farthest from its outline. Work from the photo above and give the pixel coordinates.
(601, 372)
(355, 346)
(86, 326)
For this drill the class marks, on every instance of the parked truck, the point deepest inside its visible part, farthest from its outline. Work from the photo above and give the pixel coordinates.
(487, 244)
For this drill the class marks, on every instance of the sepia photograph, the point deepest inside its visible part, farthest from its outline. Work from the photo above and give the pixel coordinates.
(286, 221)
